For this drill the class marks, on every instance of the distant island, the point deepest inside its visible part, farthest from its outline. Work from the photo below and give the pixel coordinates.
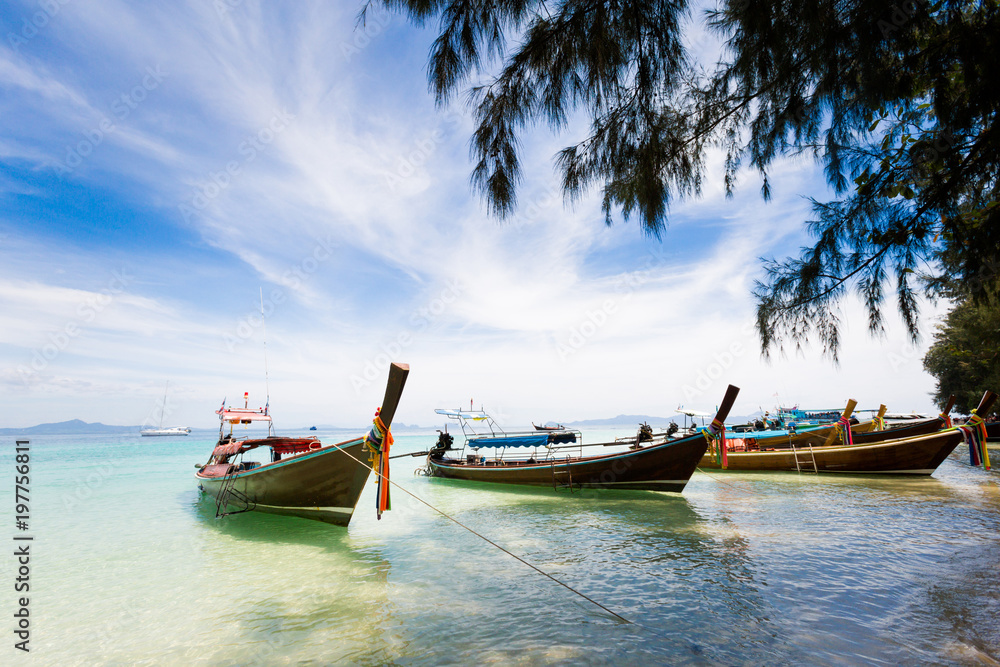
(620, 420)
(77, 426)
(80, 427)
(71, 427)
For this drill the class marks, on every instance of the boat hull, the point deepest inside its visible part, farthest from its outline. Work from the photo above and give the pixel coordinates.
(666, 466)
(993, 431)
(323, 484)
(919, 455)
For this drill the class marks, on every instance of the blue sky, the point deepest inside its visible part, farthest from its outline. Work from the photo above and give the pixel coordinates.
(161, 166)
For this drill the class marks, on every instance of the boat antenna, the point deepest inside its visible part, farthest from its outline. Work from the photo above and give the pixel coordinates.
(267, 386)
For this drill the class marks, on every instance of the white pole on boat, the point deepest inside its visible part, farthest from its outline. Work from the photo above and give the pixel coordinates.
(267, 387)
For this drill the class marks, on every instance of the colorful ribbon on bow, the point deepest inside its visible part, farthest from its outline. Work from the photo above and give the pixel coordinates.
(974, 433)
(844, 424)
(718, 431)
(378, 441)
(946, 419)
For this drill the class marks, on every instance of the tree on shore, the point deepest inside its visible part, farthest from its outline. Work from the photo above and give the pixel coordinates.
(892, 97)
(965, 356)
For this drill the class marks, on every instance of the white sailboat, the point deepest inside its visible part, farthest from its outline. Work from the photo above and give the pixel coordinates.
(170, 430)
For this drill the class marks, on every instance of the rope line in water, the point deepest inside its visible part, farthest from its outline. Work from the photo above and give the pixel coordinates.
(732, 486)
(488, 540)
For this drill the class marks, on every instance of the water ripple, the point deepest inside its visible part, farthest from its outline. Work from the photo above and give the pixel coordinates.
(739, 570)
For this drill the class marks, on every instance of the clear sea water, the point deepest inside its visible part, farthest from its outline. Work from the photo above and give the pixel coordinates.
(130, 566)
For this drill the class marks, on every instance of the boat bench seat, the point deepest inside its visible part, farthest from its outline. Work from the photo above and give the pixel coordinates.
(216, 470)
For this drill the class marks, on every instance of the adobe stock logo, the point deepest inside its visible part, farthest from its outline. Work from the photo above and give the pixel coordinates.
(122, 108)
(252, 146)
(421, 319)
(709, 375)
(86, 312)
(580, 334)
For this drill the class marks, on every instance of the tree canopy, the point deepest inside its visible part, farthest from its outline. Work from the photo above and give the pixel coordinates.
(893, 98)
(965, 356)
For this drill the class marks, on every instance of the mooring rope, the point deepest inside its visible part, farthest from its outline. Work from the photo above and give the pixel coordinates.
(486, 539)
(732, 486)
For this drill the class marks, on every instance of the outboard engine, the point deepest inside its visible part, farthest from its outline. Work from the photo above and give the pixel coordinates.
(444, 443)
(673, 428)
(645, 433)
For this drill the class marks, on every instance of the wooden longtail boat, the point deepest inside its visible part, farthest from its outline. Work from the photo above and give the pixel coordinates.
(557, 458)
(828, 434)
(803, 417)
(915, 455)
(304, 477)
(553, 427)
(815, 435)
(917, 427)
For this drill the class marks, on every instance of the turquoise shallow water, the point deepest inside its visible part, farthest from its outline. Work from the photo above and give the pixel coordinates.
(129, 566)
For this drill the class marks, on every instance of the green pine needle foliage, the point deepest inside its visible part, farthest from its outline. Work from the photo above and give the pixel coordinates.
(965, 356)
(895, 98)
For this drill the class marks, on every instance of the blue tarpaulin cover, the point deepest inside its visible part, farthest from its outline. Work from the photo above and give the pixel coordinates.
(513, 441)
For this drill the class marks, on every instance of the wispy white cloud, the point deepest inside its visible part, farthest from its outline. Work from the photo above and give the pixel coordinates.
(280, 149)
(38, 80)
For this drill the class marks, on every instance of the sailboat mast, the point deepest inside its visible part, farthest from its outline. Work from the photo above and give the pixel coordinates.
(163, 407)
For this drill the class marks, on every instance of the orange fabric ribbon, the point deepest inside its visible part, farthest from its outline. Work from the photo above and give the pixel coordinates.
(378, 441)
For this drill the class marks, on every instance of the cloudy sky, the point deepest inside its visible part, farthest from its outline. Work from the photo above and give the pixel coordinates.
(160, 168)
